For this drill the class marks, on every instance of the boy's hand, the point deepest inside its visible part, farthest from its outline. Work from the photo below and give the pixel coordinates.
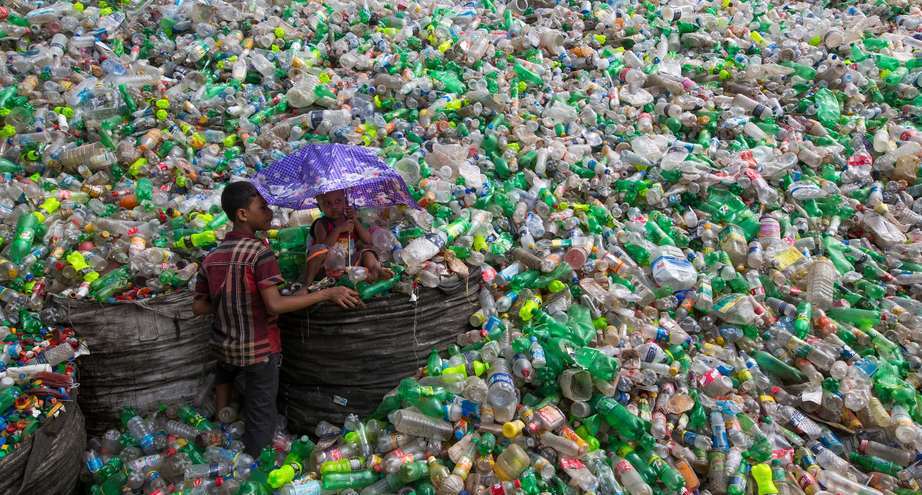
(343, 296)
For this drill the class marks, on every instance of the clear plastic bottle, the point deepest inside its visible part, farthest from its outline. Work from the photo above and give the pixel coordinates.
(510, 464)
(631, 480)
(821, 279)
(832, 480)
(415, 423)
(501, 391)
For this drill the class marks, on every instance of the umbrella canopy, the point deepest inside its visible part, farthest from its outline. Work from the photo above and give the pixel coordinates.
(296, 180)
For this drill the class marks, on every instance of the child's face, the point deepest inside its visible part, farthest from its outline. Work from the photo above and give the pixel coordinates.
(332, 204)
(257, 215)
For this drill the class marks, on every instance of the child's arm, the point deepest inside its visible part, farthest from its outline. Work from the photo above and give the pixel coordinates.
(360, 231)
(276, 303)
(201, 304)
(268, 277)
(319, 234)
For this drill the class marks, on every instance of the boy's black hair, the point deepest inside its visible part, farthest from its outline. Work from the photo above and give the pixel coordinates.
(237, 195)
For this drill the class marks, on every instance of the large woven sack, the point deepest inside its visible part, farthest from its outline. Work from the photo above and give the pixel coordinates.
(49, 461)
(142, 353)
(338, 361)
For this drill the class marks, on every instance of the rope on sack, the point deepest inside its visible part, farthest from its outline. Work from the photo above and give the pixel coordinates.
(414, 299)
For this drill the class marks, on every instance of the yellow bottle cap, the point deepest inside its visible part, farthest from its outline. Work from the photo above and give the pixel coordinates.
(513, 429)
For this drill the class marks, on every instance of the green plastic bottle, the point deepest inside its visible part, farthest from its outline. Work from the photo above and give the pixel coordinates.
(8, 397)
(827, 108)
(293, 465)
(355, 481)
(110, 284)
(26, 226)
(872, 463)
(803, 320)
(368, 291)
(861, 318)
(626, 425)
(191, 417)
(773, 365)
(600, 365)
(202, 240)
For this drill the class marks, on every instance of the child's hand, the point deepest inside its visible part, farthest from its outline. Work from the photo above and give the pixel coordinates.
(343, 296)
(347, 227)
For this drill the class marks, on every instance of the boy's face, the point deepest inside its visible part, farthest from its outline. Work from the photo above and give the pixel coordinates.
(332, 204)
(257, 214)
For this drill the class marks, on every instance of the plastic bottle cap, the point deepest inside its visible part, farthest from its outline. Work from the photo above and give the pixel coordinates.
(512, 429)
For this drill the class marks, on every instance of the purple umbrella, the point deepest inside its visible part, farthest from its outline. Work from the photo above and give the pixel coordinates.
(296, 180)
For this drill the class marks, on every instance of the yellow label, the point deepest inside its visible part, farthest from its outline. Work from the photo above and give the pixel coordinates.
(787, 258)
(51, 205)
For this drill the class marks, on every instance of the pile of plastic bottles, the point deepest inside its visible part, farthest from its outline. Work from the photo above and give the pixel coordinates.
(37, 376)
(697, 223)
(174, 448)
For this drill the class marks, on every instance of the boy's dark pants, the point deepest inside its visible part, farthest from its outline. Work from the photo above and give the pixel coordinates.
(261, 386)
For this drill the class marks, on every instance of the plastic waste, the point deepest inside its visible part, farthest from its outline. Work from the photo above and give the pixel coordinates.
(696, 224)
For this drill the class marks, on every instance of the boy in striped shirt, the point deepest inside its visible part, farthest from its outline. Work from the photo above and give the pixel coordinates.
(238, 283)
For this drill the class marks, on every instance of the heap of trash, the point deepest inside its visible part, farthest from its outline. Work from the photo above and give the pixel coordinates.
(696, 224)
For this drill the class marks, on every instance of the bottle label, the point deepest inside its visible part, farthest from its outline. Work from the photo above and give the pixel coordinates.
(709, 377)
(571, 463)
(787, 258)
(550, 416)
(623, 467)
(500, 378)
(725, 304)
(805, 481)
(662, 262)
(653, 352)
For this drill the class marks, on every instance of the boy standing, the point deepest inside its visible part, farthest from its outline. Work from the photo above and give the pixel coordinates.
(238, 283)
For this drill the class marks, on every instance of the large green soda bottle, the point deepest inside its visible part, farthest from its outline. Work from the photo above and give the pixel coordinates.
(9, 167)
(25, 233)
(111, 283)
(111, 477)
(861, 318)
(870, 463)
(368, 291)
(827, 108)
(411, 391)
(771, 364)
(600, 365)
(626, 425)
(191, 417)
(356, 480)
